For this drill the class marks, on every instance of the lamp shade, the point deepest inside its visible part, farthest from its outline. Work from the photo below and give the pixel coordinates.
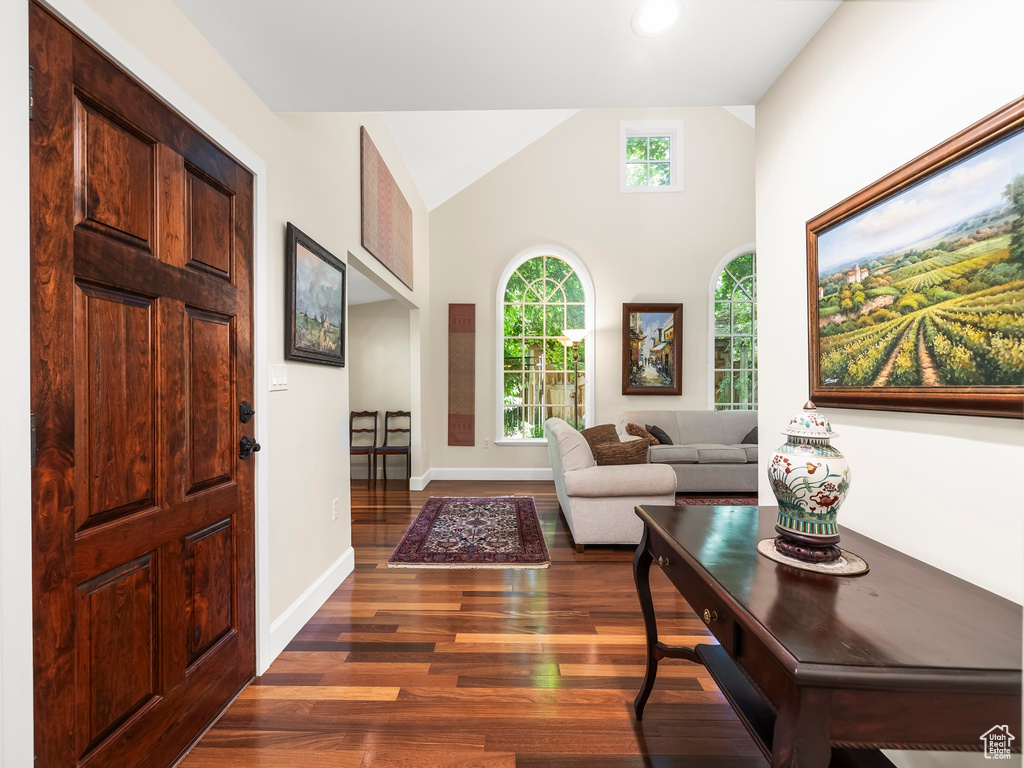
(575, 335)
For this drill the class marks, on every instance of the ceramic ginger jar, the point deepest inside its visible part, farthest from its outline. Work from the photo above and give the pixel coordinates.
(810, 478)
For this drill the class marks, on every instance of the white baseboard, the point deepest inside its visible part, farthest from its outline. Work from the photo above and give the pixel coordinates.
(420, 482)
(487, 473)
(288, 624)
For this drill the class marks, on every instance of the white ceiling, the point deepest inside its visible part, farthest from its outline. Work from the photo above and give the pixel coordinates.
(362, 290)
(399, 55)
(445, 152)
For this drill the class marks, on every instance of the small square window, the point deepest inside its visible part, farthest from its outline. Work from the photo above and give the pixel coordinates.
(650, 156)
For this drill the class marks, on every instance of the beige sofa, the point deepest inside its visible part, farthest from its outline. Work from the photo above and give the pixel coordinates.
(706, 454)
(598, 502)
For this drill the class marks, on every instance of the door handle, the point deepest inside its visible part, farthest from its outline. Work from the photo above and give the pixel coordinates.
(247, 447)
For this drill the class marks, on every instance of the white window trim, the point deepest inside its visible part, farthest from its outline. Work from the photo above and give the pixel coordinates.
(589, 311)
(719, 267)
(671, 128)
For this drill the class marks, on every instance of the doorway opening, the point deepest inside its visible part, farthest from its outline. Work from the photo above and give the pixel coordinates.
(380, 382)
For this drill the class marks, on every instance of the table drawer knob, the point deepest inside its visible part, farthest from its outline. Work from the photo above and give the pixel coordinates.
(663, 561)
(710, 616)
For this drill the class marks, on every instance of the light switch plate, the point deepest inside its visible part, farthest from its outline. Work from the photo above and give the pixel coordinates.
(278, 378)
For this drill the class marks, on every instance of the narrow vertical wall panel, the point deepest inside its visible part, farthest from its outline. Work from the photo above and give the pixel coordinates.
(461, 374)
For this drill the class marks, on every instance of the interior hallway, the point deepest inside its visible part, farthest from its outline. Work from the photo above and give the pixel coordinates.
(482, 668)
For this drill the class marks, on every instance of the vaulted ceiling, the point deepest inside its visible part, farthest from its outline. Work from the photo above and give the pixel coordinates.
(465, 84)
(394, 55)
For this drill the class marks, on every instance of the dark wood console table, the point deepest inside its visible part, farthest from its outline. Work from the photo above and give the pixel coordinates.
(826, 670)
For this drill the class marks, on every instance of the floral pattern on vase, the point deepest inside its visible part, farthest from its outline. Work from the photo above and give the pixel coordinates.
(810, 478)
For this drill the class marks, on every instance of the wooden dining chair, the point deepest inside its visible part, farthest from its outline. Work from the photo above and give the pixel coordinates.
(391, 449)
(369, 450)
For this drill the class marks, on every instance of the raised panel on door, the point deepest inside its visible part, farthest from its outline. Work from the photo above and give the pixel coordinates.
(210, 401)
(210, 224)
(115, 392)
(116, 174)
(210, 569)
(117, 649)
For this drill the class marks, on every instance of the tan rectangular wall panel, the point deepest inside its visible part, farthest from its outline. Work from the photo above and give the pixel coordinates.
(461, 374)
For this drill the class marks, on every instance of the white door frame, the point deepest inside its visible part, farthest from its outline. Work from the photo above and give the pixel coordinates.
(16, 726)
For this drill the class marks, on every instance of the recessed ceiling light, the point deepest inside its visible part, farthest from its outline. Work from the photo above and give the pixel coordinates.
(655, 17)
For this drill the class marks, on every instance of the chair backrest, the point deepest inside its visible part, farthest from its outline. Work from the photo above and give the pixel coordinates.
(389, 430)
(353, 431)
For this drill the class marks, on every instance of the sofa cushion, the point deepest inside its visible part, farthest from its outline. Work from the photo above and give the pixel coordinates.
(696, 427)
(660, 434)
(750, 438)
(572, 446)
(637, 431)
(712, 453)
(623, 481)
(735, 425)
(630, 452)
(749, 450)
(673, 454)
(602, 433)
(664, 419)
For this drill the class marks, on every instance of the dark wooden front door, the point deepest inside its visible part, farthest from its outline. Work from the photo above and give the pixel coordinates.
(143, 551)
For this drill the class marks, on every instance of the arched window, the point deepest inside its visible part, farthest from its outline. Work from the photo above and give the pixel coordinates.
(543, 292)
(734, 331)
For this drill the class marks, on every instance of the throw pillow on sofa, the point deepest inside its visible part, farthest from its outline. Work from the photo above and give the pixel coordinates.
(602, 433)
(630, 452)
(637, 431)
(750, 438)
(660, 434)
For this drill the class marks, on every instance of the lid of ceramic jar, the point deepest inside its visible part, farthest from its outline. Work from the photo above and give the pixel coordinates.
(809, 423)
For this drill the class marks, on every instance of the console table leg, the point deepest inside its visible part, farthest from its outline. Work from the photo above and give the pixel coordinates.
(642, 576)
(801, 737)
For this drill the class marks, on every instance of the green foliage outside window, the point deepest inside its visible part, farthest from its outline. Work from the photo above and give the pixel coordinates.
(648, 161)
(735, 372)
(543, 297)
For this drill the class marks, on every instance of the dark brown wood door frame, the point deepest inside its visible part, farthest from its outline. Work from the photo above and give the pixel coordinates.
(142, 351)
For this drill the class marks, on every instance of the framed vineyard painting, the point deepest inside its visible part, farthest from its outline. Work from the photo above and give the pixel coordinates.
(916, 283)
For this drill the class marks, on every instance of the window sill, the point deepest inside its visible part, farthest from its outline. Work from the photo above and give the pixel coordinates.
(529, 441)
(661, 188)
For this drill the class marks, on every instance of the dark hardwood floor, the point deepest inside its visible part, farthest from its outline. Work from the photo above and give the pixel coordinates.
(482, 668)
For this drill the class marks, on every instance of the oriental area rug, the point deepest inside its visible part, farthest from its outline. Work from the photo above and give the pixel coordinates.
(454, 532)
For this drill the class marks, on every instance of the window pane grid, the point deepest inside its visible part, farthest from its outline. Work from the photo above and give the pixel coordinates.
(538, 379)
(648, 161)
(734, 371)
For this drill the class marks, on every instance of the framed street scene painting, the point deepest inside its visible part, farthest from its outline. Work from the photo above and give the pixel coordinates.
(916, 283)
(314, 301)
(652, 346)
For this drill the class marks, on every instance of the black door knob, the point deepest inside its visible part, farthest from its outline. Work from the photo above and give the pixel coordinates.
(247, 447)
(246, 411)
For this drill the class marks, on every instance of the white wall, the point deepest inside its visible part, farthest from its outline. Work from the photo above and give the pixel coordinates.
(312, 179)
(879, 84)
(378, 367)
(15, 528)
(563, 190)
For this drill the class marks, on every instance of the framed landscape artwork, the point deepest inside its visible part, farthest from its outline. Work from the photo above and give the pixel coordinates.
(314, 302)
(652, 346)
(916, 283)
